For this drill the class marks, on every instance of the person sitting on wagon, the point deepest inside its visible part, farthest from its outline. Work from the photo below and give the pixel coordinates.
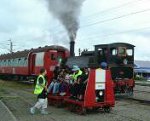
(83, 83)
(76, 72)
(64, 85)
(54, 85)
(74, 87)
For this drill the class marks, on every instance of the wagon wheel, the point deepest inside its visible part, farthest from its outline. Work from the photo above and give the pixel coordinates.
(50, 102)
(58, 104)
(107, 109)
(80, 110)
(71, 107)
(96, 109)
(53, 102)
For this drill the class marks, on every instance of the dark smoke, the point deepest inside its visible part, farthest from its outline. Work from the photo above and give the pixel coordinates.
(67, 11)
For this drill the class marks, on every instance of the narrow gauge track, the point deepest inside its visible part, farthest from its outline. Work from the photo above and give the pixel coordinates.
(132, 98)
(147, 102)
(141, 91)
(140, 100)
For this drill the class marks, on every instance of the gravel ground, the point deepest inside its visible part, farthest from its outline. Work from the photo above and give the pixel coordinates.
(142, 92)
(19, 98)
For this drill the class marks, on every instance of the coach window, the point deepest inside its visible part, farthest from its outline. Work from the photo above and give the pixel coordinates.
(12, 62)
(15, 62)
(114, 51)
(22, 62)
(100, 52)
(121, 51)
(25, 61)
(5, 62)
(1, 62)
(19, 62)
(53, 57)
(8, 63)
(129, 52)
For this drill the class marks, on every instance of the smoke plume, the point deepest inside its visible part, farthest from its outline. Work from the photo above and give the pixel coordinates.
(67, 12)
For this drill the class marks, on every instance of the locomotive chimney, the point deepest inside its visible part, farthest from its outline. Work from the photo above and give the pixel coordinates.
(72, 48)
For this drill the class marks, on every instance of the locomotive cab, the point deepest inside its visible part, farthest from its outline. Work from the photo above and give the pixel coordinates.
(116, 53)
(120, 60)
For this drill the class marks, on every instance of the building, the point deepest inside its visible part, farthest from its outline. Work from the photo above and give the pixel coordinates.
(142, 68)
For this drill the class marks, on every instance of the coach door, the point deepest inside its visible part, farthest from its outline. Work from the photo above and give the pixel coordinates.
(32, 63)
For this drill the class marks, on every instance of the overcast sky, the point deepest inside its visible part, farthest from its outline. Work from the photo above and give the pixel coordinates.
(29, 25)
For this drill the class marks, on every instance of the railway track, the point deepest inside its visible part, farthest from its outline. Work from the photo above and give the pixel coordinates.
(136, 98)
(140, 100)
(141, 91)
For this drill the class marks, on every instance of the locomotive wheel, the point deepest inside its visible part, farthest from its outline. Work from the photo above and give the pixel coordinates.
(81, 110)
(130, 91)
(107, 109)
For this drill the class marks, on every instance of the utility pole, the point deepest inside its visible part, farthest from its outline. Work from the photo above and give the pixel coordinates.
(11, 46)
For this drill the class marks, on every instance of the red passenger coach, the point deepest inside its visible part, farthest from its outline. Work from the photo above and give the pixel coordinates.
(27, 64)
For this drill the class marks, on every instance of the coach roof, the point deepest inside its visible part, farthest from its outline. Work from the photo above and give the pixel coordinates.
(25, 53)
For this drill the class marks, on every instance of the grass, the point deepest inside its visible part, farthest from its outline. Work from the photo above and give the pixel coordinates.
(7, 86)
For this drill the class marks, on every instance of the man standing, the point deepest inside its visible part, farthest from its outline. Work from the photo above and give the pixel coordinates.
(41, 92)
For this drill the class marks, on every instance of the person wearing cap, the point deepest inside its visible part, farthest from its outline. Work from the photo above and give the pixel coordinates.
(103, 65)
(76, 72)
(75, 76)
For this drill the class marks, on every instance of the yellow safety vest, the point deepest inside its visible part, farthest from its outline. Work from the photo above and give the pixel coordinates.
(39, 87)
(75, 76)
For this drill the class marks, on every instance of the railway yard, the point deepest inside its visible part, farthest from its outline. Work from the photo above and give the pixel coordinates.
(17, 98)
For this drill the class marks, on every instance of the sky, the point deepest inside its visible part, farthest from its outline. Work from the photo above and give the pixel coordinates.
(29, 24)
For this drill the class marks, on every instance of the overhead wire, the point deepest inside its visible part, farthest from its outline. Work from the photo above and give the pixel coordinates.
(113, 8)
(117, 33)
(115, 18)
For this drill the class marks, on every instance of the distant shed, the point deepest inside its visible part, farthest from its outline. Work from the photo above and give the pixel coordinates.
(142, 68)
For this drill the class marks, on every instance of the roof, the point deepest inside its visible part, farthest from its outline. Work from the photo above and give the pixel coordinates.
(142, 64)
(142, 70)
(26, 52)
(115, 45)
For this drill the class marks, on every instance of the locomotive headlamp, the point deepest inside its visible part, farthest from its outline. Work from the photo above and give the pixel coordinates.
(100, 93)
